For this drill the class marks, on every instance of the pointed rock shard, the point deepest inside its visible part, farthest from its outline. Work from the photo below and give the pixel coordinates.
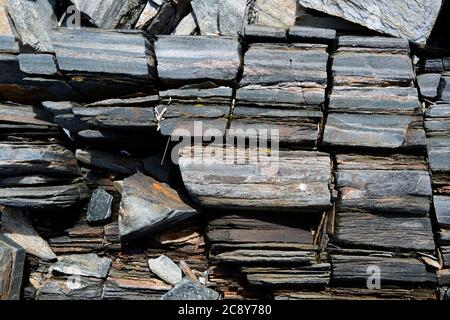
(99, 208)
(148, 206)
(188, 290)
(166, 269)
(111, 14)
(12, 259)
(412, 20)
(87, 265)
(16, 226)
(150, 11)
(33, 21)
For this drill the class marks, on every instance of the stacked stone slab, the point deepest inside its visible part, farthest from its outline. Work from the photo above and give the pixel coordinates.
(382, 224)
(434, 85)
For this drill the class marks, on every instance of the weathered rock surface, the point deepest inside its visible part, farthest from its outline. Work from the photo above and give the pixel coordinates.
(99, 208)
(88, 265)
(111, 14)
(115, 163)
(148, 205)
(274, 13)
(188, 290)
(16, 226)
(410, 20)
(12, 259)
(33, 21)
(166, 269)
(8, 41)
(236, 179)
(183, 59)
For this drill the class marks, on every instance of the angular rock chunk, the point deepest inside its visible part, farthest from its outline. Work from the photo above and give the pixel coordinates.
(87, 265)
(170, 13)
(16, 226)
(166, 269)
(352, 270)
(273, 13)
(207, 13)
(231, 16)
(99, 208)
(268, 64)
(148, 206)
(194, 112)
(149, 12)
(188, 290)
(58, 289)
(251, 179)
(12, 259)
(390, 17)
(442, 207)
(187, 26)
(429, 85)
(437, 126)
(111, 14)
(33, 21)
(184, 59)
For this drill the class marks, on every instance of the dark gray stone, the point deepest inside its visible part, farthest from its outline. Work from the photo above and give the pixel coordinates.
(429, 84)
(99, 208)
(12, 260)
(442, 208)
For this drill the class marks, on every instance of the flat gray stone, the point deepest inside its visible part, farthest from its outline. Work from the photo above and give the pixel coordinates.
(8, 41)
(429, 84)
(99, 208)
(187, 26)
(33, 21)
(38, 64)
(166, 269)
(188, 290)
(412, 20)
(273, 13)
(87, 265)
(206, 13)
(231, 16)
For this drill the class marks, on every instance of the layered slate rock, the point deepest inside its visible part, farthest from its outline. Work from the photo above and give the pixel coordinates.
(282, 90)
(390, 17)
(118, 62)
(40, 176)
(188, 290)
(88, 265)
(148, 205)
(374, 107)
(252, 179)
(12, 259)
(269, 253)
(194, 112)
(184, 60)
(382, 215)
(111, 14)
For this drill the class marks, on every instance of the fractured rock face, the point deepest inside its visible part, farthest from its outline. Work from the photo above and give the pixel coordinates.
(99, 209)
(412, 20)
(111, 14)
(87, 265)
(273, 13)
(12, 258)
(34, 21)
(148, 205)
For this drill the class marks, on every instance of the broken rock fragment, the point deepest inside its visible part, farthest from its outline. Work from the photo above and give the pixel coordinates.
(166, 269)
(411, 20)
(87, 265)
(99, 208)
(188, 290)
(12, 259)
(148, 205)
